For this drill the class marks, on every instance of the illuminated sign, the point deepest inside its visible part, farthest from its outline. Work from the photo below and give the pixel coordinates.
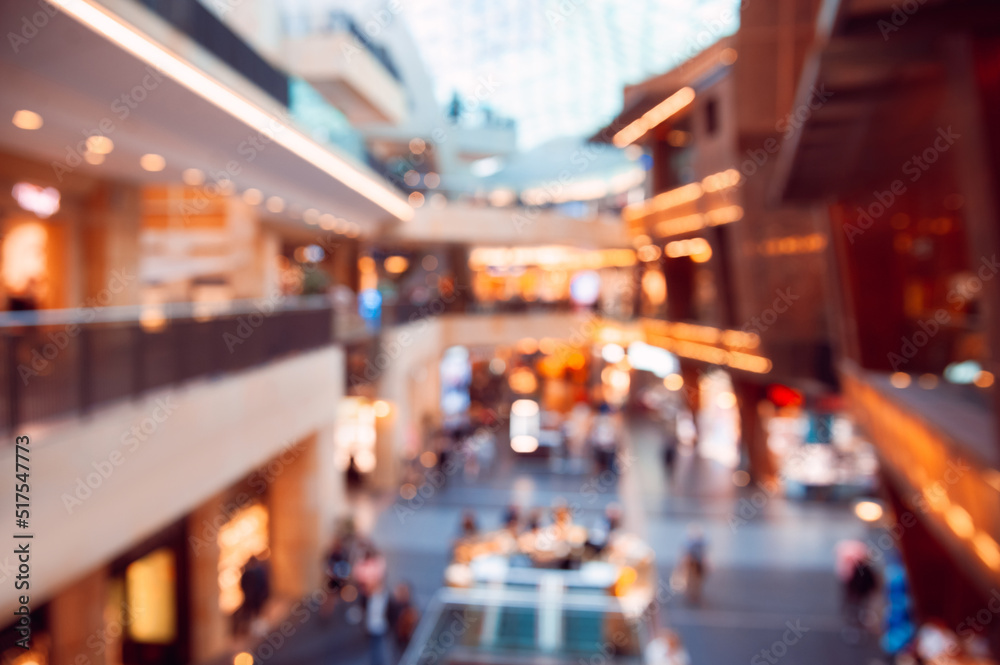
(44, 202)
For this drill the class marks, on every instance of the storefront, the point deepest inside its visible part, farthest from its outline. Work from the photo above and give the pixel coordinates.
(50, 229)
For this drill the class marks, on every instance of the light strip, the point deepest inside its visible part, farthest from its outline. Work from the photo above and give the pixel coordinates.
(716, 182)
(115, 30)
(703, 343)
(654, 116)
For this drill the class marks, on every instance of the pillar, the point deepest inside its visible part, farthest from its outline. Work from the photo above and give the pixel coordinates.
(209, 626)
(691, 373)
(306, 498)
(77, 614)
(753, 438)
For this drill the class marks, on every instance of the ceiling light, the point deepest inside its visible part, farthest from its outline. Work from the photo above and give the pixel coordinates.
(152, 162)
(100, 145)
(252, 197)
(193, 177)
(275, 204)
(25, 119)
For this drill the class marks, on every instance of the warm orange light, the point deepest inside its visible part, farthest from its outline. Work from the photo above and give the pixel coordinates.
(987, 549)
(927, 381)
(648, 253)
(396, 264)
(868, 511)
(697, 248)
(25, 119)
(654, 116)
(721, 180)
(24, 264)
(984, 379)
(626, 579)
(527, 346)
(664, 201)
(152, 162)
(679, 225)
(673, 382)
(522, 381)
(654, 286)
(900, 380)
(725, 400)
(576, 360)
(243, 536)
(100, 145)
(252, 197)
(960, 521)
(725, 215)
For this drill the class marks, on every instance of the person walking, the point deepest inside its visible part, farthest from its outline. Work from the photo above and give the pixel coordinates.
(377, 624)
(255, 585)
(670, 445)
(403, 617)
(689, 575)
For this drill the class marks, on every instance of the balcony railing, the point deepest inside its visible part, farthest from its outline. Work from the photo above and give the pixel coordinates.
(58, 363)
(66, 362)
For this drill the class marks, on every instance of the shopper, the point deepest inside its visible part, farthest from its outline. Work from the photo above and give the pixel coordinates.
(689, 576)
(604, 437)
(670, 446)
(255, 585)
(511, 518)
(858, 591)
(403, 617)
(469, 526)
(376, 607)
(604, 529)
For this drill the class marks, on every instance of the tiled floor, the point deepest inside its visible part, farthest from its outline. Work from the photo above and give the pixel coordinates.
(770, 571)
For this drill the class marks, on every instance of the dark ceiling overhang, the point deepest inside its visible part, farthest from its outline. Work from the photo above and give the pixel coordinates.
(873, 92)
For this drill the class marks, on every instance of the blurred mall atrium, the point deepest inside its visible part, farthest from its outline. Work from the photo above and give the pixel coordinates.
(652, 332)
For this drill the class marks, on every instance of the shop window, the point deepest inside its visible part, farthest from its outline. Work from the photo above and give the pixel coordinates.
(150, 593)
(242, 537)
(25, 266)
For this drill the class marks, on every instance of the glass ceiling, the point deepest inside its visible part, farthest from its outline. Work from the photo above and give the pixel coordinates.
(557, 67)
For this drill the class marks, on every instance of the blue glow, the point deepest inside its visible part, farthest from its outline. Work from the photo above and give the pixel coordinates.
(370, 305)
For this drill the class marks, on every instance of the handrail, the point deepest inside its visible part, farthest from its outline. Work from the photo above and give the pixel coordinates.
(173, 310)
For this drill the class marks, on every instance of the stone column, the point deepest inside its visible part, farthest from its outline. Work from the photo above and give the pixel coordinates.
(306, 497)
(77, 614)
(691, 372)
(209, 626)
(753, 438)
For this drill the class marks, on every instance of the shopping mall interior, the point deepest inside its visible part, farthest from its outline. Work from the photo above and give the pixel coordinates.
(497, 332)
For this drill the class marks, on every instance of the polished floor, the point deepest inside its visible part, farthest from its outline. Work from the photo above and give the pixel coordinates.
(770, 566)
